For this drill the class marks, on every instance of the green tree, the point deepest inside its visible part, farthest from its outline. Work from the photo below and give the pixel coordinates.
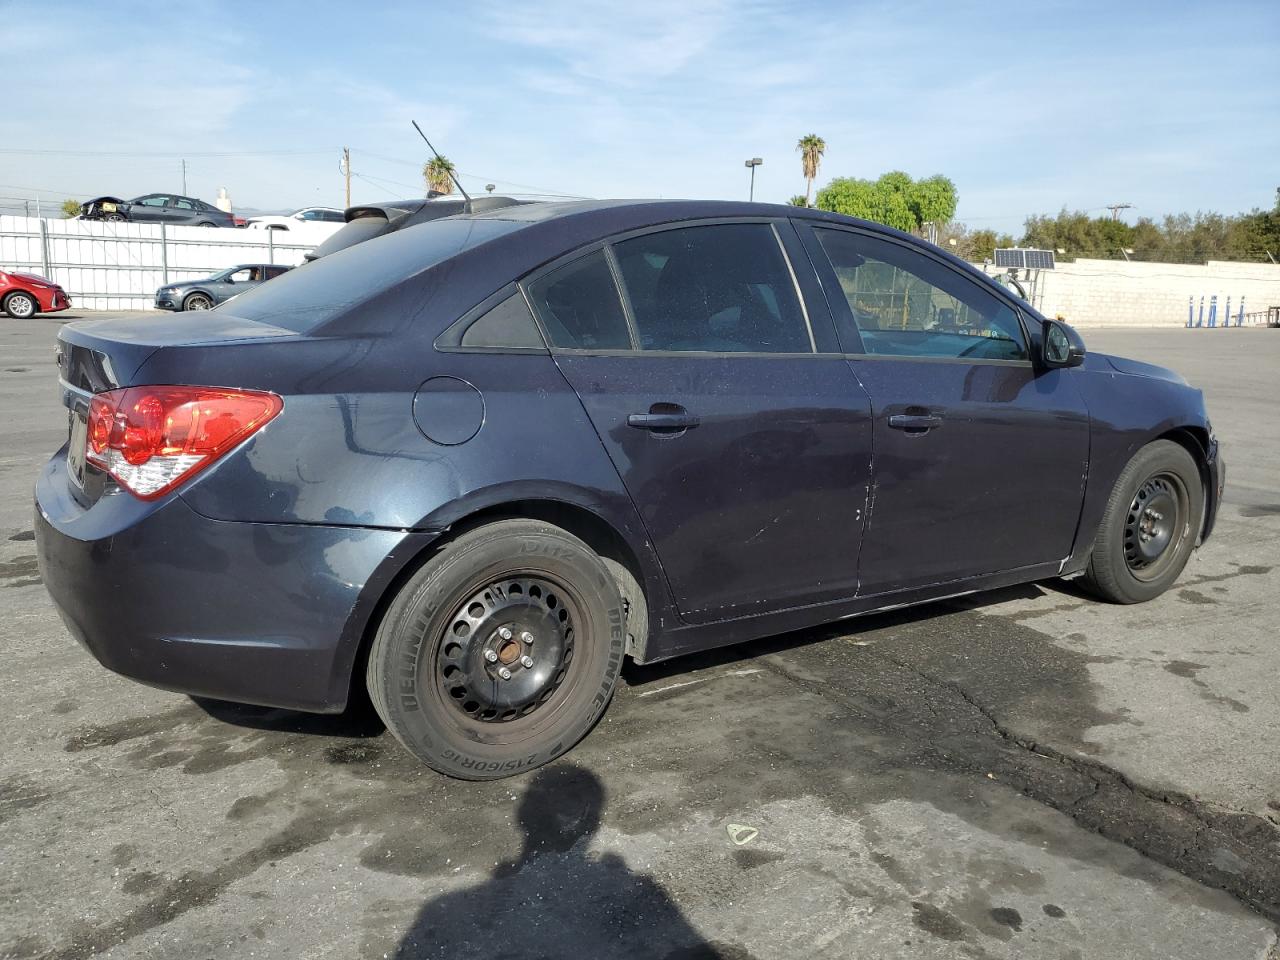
(438, 175)
(933, 199)
(894, 199)
(799, 201)
(1176, 238)
(70, 208)
(811, 148)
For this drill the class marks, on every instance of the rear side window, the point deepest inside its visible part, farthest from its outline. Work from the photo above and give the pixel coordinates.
(508, 324)
(579, 306)
(314, 293)
(904, 303)
(720, 288)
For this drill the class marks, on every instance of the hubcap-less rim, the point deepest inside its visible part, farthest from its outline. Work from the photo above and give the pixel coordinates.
(21, 306)
(507, 649)
(1155, 526)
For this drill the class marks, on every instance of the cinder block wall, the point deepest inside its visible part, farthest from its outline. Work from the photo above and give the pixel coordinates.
(1110, 293)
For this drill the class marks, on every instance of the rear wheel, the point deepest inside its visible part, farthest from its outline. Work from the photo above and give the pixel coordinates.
(197, 301)
(1150, 525)
(500, 653)
(20, 305)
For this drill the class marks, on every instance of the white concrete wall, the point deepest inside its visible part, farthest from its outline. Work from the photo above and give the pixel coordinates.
(118, 266)
(1110, 293)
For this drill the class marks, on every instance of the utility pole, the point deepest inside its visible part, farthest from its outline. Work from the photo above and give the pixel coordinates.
(184, 178)
(1115, 209)
(346, 171)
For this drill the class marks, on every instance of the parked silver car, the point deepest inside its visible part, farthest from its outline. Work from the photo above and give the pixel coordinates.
(208, 292)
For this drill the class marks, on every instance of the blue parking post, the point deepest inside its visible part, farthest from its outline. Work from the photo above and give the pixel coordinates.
(1226, 313)
(1240, 315)
(1191, 311)
(1200, 318)
(1213, 310)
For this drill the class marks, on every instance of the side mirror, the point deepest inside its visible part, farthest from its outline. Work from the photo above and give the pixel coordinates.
(1062, 345)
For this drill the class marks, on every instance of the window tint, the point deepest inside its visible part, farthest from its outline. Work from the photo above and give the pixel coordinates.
(907, 304)
(152, 201)
(579, 306)
(723, 288)
(509, 324)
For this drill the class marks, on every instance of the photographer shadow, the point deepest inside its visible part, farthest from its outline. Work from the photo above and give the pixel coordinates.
(556, 898)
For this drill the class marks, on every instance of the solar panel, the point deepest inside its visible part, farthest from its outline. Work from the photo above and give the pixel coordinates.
(1039, 259)
(1010, 257)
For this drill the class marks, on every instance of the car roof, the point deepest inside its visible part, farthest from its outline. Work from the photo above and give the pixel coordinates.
(659, 211)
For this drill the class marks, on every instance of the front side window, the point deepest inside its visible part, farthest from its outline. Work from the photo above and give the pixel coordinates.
(153, 201)
(720, 288)
(907, 304)
(579, 306)
(243, 275)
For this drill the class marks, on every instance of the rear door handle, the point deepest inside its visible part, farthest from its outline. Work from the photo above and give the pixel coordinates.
(662, 421)
(915, 421)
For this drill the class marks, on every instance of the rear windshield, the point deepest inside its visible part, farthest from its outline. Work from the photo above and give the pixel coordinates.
(316, 292)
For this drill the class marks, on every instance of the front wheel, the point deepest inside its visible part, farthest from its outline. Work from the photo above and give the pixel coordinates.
(500, 653)
(197, 301)
(1150, 525)
(20, 306)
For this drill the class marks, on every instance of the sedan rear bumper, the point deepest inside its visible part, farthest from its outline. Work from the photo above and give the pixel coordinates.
(268, 614)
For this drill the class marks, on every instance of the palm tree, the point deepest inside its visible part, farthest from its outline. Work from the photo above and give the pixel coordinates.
(438, 173)
(811, 150)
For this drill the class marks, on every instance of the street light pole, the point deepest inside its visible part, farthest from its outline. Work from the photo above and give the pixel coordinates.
(753, 163)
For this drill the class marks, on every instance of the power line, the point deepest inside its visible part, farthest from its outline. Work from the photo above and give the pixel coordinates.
(163, 154)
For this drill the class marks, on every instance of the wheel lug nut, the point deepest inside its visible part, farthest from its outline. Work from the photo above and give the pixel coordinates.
(490, 656)
(505, 633)
(504, 673)
(527, 637)
(526, 661)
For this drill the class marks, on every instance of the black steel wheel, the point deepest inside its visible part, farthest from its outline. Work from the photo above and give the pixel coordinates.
(501, 652)
(1155, 525)
(507, 648)
(1150, 525)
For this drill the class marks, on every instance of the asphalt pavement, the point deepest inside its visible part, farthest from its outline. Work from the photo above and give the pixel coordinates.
(1028, 773)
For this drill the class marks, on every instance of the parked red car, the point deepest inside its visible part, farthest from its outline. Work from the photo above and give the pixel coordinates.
(23, 295)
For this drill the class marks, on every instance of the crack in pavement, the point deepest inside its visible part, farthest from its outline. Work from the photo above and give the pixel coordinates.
(1235, 852)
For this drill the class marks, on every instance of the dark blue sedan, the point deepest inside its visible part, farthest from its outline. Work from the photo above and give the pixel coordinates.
(473, 464)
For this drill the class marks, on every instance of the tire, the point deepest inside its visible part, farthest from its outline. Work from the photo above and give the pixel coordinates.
(115, 218)
(198, 301)
(21, 305)
(206, 223)
(430, 675)
(1151, 523)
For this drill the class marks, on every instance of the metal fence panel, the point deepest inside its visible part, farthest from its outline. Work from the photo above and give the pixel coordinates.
(118, 266)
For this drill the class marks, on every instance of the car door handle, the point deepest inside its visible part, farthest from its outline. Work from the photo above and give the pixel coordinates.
(915, 421)
(662, 421)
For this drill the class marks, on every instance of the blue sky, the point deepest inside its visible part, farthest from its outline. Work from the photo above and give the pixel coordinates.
(1170, 106)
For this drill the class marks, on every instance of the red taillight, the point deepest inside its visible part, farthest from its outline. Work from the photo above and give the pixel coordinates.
(151, 439)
